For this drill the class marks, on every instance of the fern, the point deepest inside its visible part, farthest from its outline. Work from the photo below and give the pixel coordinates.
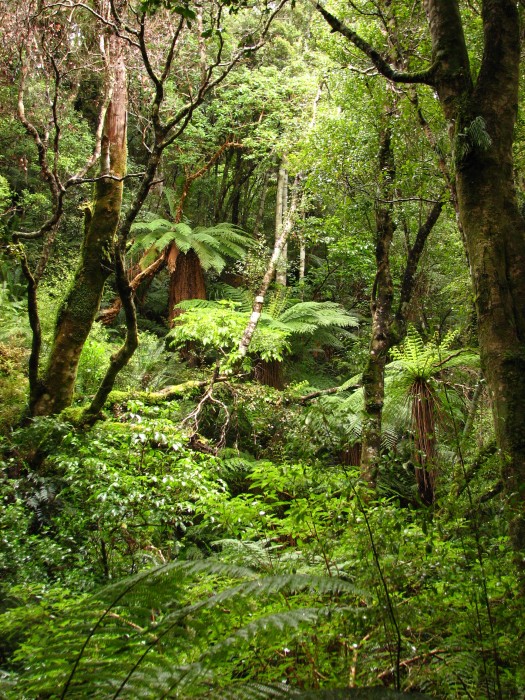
(474, 137)
(141, 638)
(212, 245)
(316, 314)
(217, 324)
(241, 298)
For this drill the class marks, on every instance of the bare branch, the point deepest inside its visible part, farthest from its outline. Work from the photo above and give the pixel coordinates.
(73, 181)
(40, 143)
(114, 26)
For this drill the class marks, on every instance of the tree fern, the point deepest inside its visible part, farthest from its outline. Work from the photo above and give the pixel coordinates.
(319, 321)
(414, 374)
(212, 245)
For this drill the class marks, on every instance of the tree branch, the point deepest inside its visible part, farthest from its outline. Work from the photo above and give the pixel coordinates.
(425, 77)
(414, 255)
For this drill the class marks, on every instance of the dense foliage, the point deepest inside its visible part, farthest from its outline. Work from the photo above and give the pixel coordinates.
(276, 475)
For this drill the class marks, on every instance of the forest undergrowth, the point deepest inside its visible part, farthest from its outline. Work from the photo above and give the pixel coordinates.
(137, 561)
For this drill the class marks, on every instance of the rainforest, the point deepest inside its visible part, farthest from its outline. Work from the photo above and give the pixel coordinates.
(262, 349)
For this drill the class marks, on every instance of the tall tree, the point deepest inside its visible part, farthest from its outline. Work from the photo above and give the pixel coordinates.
(166, 117)
(481, 111)
(54, 391)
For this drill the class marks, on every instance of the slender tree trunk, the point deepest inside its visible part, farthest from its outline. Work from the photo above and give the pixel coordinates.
(302, 260)
(280, 218)
(262, 203)
(389, 327)
(270, 271)
(81, 305)
(235, 199)
(382, 338)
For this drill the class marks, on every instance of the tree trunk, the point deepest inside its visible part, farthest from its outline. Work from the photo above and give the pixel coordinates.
(493, 226)
(270, 373)
(262, 203)
(280, 218)
(270, 271)
(186, 282)
(488, 205)
(482, 117)
(80, 307)
(389, 328)
(302, 259)
(382, 338)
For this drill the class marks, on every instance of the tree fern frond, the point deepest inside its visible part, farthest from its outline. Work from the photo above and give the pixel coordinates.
(277, 301)
(207, 254)
(189, 304)
(169, 193)
(320, 314)
(352, 382)
(328, 337)
(240, 296)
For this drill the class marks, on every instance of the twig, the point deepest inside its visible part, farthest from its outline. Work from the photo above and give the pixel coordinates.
(423, 658)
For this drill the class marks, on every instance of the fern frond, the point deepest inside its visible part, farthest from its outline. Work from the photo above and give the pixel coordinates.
(199, 304)
(240, 296)
(207, 254)
(352, 382)
(318, 314)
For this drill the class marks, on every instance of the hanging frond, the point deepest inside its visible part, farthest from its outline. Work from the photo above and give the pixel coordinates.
(141, 638)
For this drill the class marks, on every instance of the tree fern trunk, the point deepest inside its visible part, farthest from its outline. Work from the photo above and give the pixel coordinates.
(186, 282)
(270, 373)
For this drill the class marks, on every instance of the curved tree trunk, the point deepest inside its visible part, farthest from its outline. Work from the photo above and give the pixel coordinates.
(80, 307)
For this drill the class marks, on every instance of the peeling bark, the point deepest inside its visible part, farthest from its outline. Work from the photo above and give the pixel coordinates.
(186, 281)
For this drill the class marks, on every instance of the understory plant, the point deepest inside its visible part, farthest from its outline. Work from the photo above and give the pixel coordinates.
(219, 325)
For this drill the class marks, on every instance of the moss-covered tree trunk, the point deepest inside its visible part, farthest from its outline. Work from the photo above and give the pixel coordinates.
(495, 233)
(381, 337)
(81, 304)
(482, 116)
